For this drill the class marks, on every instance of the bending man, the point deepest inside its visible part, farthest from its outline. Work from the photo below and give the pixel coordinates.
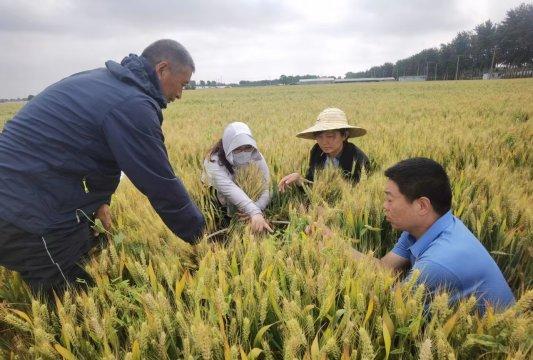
(62, 154)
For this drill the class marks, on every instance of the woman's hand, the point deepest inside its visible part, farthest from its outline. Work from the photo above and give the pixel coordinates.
(294, 178)
(242, 216)
(259, 224)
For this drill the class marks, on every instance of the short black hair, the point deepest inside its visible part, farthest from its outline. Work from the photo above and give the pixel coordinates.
(343, 132)
(169, 50)
(418, 177)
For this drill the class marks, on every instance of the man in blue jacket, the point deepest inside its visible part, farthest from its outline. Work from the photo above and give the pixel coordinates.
(62, 154)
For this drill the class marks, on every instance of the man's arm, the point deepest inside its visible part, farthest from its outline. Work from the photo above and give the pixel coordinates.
(391, 261)
(394, 262)
(134, 135)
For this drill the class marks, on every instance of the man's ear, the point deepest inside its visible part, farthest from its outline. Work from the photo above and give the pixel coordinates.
(161, 68)
(424, 205)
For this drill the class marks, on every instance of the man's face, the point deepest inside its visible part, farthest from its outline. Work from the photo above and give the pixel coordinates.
(400, 212)
(172, 80)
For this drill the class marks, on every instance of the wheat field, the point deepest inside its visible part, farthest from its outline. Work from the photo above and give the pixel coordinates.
(289, 295)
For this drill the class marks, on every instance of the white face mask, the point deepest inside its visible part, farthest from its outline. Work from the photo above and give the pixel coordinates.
(242, 158)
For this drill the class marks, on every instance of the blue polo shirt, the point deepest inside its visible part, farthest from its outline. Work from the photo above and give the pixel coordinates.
(449, 256)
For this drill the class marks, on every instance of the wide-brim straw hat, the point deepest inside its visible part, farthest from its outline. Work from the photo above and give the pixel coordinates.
(331, 119)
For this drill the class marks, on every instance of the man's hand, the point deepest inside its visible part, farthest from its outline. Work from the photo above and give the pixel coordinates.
(259, 224)
(286, 181)
(104, 215)
(316, 228)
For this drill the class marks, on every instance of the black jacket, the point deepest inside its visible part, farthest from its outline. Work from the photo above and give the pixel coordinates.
(351, 161)
(62, 153)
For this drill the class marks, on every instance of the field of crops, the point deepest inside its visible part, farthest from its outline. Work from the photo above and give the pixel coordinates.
(289, 295)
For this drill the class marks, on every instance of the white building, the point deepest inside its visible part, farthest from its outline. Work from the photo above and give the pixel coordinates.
(382, 79)
(413, 78)
(322, 80)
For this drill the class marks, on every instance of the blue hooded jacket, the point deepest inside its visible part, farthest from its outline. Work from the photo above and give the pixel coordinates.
(62, 153)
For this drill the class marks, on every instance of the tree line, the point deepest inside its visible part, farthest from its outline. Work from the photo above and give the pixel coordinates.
(488, 47)
(282, 80)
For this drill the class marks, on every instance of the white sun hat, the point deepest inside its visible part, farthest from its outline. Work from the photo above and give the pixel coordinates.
(331, 119)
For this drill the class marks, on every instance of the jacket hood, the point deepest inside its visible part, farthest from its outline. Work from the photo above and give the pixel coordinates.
(136, 70)
(237, 134)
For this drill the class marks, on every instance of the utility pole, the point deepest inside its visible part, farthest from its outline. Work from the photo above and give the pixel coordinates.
(457, 66)
(427, 70)
(492, 64)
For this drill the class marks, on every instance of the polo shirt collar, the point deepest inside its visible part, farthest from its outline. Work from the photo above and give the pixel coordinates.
(431, 234)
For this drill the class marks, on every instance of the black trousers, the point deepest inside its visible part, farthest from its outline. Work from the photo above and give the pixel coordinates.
(50, 262)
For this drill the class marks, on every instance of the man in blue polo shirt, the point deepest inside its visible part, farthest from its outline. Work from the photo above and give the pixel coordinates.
(439, 245)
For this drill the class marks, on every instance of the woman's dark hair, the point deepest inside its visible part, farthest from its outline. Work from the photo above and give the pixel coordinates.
(344, 133)
(418, 177)
(218, 150)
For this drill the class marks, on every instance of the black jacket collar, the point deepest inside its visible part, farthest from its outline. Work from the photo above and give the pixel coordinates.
(351, 160)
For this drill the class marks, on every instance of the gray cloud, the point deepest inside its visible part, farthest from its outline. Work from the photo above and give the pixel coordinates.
(43, 41)
(413, 17)
(105, 18)
(394, 19)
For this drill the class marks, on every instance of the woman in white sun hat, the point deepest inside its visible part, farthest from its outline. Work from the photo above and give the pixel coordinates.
(331, 132)
(237, 148)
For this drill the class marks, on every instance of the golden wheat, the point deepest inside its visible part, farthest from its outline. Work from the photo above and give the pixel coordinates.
(290, 294)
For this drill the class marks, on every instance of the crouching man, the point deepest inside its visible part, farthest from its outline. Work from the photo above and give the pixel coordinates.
(438, 244)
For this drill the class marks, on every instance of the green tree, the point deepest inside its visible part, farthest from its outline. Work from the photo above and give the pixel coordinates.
(516, 36)
(484, 41)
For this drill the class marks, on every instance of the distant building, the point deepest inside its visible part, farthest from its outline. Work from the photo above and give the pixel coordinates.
(489, 76)
(330, 80)
(382, 79)
(413, 78)
(322, 80)
(212, 87)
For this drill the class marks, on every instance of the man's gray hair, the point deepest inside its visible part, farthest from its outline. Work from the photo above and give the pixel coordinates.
(168, 50)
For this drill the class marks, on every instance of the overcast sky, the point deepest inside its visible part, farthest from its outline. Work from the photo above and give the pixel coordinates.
(230, 40)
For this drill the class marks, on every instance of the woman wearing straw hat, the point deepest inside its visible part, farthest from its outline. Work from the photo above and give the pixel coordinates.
(331, 132)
